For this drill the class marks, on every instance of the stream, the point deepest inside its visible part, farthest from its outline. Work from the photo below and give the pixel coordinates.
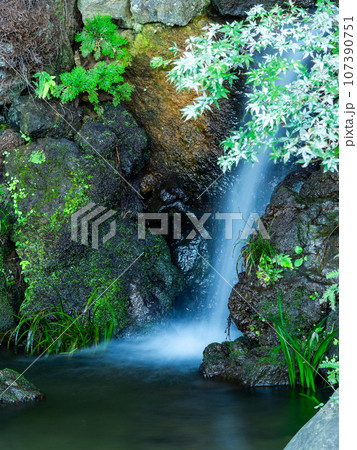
(105, 400)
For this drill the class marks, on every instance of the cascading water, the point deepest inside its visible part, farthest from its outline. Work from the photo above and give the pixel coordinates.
(184, 340)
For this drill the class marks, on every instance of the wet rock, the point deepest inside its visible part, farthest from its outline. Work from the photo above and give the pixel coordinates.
(66, 180)
(241, 7)
(133, 144)
(37, 118)
(320, 432)
(16, 391)
(119, 10)
(148, 183)
(98, 136)
(178, 12)
(186, 149)
(303, 212)
(186, 254)
(244, 363)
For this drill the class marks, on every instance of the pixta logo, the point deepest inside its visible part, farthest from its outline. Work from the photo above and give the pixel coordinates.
(86, 222)
(83, 219)
(198, 225)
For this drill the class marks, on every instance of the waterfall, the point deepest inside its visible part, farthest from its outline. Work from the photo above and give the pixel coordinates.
(183, 340)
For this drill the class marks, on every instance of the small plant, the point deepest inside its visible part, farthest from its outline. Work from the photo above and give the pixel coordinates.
(333, 366)
(100, 37)
(45, 84)
(159, 62)
(25, 137)
(257, 249)
(306, 353)
(261, 256)
(54, 331)
(331, 292)
(270, 269)
(38, 157)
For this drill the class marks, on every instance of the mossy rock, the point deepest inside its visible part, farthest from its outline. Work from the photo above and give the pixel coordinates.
(133, 143)
(38, 119)
(15, 389)
(46, 194)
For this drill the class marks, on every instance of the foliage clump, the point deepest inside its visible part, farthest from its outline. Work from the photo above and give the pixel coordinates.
(260, 256)
(100, 37)
(306, 352)
(265, 47)
(52, 330)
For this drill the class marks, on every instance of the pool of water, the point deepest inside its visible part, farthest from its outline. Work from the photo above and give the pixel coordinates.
(107, 400)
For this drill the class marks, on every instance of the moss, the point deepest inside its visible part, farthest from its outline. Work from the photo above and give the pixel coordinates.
(112, 308)
(54, 265)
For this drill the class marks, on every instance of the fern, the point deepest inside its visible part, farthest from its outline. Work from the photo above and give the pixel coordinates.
(332, 291)
(100, 37)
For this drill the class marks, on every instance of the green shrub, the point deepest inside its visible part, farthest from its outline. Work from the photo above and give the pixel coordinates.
(100, 37)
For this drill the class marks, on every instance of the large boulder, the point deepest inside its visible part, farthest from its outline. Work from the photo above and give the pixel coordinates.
(245, 364)
(129, 13)
(119, 10)
(15, 389)
(178, 12)
(241, 7)
(133, 143)
(117, 135)
(322, 431)
(49, 181)
(37, 118)
(303, 212)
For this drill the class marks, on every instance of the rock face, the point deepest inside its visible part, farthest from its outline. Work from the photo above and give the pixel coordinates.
(129, 13)
(241, 7)
(188, 150)
(243, 363)
(133, 144)
(54, 184)
(21, 390)
(303, 212)
(322, 431)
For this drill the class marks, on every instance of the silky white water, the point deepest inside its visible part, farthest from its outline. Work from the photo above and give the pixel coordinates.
(184, 340)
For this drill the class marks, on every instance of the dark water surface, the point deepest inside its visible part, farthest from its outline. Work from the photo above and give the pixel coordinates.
(102, 400)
